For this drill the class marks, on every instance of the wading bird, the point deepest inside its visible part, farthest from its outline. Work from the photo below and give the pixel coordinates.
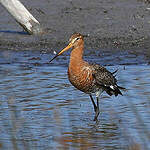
(86, 77)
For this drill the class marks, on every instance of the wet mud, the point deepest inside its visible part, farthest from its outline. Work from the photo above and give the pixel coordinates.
(118, 27)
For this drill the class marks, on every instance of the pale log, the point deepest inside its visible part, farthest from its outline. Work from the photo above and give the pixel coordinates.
(22, 16)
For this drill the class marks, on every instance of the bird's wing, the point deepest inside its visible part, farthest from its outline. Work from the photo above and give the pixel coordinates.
(102, 76)
(105, 79)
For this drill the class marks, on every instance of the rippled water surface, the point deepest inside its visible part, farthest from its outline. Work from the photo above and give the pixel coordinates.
(40, 109)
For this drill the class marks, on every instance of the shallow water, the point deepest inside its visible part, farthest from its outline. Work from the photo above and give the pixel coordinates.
(40, 109)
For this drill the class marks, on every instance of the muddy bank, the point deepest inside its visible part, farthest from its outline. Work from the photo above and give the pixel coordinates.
(111, 25)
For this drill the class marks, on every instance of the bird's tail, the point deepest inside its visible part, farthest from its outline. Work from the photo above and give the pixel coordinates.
(117, 91)
(114, 90)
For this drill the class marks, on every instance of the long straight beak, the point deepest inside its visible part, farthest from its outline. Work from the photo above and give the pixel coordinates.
(65, 49)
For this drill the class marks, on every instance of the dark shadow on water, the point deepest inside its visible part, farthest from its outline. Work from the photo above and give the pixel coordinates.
(14, 32)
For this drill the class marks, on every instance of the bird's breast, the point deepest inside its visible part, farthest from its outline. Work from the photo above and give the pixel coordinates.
(81, 77)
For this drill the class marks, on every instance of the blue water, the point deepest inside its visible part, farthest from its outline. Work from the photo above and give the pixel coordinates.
(40, 109)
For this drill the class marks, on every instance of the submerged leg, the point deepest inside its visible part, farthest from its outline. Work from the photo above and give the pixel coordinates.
(95, 107)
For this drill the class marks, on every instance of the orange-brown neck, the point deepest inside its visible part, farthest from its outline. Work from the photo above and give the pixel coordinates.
(76, 60)
(76, 56)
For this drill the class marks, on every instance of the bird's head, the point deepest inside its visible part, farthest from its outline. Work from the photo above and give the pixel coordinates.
(75, 41)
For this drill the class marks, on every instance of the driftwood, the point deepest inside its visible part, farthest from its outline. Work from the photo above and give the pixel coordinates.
(22, 16)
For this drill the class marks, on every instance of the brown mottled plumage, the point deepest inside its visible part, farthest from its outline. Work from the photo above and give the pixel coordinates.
(89, 78)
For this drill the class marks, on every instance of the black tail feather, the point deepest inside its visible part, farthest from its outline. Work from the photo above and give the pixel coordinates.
(114, 71)
(109, 92)
(117, 91)
(114, 91)
(122, 88)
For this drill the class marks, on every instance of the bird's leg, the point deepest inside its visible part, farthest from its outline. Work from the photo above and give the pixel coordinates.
(95, 107)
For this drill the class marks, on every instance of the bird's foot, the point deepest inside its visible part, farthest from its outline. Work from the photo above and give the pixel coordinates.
(95, 108)
(96, 114)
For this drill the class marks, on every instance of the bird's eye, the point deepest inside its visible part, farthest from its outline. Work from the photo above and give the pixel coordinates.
(76, 39)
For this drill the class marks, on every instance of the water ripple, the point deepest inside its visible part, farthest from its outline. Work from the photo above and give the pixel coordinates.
(40, 109)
